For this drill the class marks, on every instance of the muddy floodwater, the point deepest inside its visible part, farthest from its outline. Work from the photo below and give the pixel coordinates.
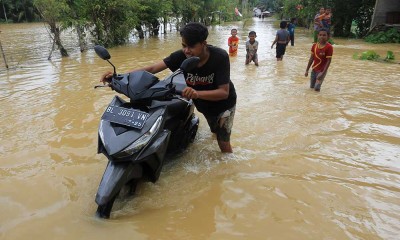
(306, 165)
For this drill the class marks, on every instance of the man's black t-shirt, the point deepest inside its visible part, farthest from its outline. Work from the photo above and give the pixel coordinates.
(215, 72)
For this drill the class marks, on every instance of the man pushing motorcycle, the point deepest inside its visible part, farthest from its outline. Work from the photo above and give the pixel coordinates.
(209, 84)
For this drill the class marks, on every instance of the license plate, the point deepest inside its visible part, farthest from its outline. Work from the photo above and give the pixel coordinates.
(125, 116)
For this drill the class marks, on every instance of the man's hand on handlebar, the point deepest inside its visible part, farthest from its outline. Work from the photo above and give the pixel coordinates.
(190, 93)
(106, 77)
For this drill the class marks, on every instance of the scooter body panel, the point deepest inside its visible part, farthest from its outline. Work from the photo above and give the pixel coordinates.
(134, 152)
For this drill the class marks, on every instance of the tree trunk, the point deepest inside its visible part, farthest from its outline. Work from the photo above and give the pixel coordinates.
(155, 25)
(81, 38)
(165, 24)
(52, 49)
(4, 10)
(57, 33)
(4, 56)
(140, 31)
(342, 28)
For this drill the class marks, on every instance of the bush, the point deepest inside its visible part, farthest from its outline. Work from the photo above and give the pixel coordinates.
(373, 56)
(390, 36)
(389, 56)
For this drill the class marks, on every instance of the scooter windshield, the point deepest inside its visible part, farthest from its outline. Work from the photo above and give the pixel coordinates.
(139, 82)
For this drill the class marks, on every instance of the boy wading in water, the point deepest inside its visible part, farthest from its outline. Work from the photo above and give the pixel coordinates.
(233, 42)
(282, 39)
(251, 49)
(321, 55)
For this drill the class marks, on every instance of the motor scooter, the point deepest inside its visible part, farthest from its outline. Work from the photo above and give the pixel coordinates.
(138, 135)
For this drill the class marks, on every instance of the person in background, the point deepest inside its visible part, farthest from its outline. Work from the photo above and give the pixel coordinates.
(318, 23)
(251, 49)
(233, 42)
(282, 39)
(290, 27)
(209, 84)
(326, 20)
(321, 55)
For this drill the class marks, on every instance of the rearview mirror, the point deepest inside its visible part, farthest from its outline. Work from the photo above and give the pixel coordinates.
(189, 64)
(102, 52)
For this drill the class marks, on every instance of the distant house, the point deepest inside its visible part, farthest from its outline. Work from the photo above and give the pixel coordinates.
(257, 12)
(386, 14)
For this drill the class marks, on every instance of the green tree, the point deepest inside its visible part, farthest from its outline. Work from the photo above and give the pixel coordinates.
(150, 14)
(112, 20)
(18, 11)
(364, 17)
(77, 19)
(166, 11)
(345, 12)
(53, 12)
(5, 4)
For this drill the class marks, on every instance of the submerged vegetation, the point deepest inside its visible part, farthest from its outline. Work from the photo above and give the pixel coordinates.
(373, 56)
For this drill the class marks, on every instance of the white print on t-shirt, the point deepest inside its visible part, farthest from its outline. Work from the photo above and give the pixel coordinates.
(198, 80)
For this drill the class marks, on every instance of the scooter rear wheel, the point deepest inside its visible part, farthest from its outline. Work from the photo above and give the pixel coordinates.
(104, 211)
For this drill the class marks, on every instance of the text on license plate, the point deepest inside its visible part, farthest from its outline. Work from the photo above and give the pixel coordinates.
(125, 116)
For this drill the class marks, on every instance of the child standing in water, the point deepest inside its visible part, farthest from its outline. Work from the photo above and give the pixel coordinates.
(290, 27)
(251, 49)
(282, 39)
(321, 55)
(318, 23)
(233, 42)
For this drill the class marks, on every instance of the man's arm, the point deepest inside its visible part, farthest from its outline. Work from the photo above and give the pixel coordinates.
(211, 95)
(323, 73)
(310, 61)
(155, 68)
(273, 43)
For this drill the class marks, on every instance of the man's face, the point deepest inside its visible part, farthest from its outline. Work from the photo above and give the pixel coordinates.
(321, 10)
(252, 37)
(193, 51)
(322, 36)
(233, 32)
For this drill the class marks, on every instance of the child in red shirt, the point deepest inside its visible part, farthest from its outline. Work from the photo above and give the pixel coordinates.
(321, 55)
(233, 43)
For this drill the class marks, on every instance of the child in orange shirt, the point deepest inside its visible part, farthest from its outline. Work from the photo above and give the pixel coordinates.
(321, 55)
(233, 43)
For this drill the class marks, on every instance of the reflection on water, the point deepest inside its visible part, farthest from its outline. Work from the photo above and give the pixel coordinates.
(306, 165)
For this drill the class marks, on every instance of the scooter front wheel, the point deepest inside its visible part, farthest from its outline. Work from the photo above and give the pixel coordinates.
(104, 210)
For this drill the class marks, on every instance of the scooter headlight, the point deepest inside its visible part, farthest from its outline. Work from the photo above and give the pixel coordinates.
(143, 140)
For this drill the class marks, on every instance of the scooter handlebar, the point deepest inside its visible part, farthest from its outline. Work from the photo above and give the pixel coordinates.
(178, 92)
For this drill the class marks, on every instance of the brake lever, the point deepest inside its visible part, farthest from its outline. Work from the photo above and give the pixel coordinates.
(99, 86)
(182, 99)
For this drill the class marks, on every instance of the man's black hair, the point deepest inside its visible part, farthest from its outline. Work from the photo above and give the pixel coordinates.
(324, 30)
(283, 24)
(252, 33)
(193, 33)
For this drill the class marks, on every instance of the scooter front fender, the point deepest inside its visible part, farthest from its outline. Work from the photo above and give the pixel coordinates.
(114, 178)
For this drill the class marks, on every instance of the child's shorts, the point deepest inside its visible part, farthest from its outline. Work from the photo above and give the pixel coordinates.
(280, 49)
(233, 54)
(313, 80)
(223, 131)
(254, 59)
